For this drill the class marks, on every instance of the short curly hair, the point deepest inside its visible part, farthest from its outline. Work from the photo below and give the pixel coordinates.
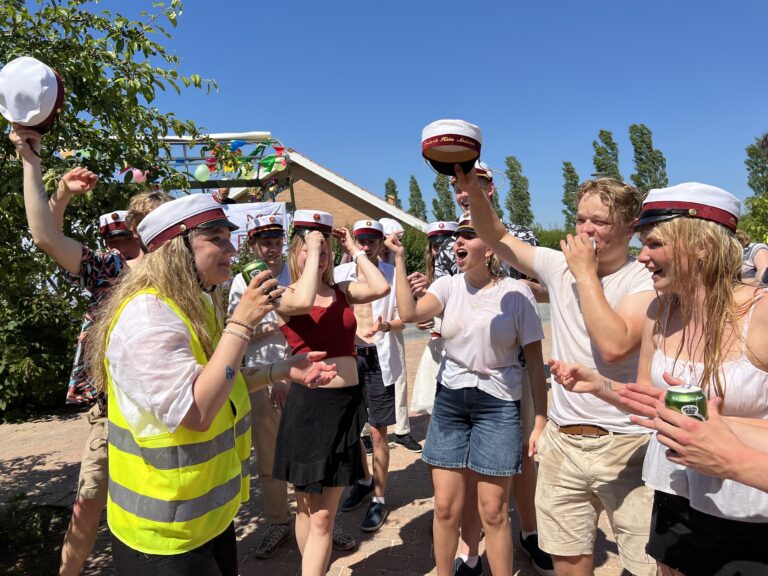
(623, 201)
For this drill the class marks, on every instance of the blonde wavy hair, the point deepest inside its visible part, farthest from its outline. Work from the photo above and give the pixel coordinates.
(294, 248)
(142, 204)
(713, 256)
(170, 270)
(623, 201)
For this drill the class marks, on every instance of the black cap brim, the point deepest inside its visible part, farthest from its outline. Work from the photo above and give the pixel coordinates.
(656, 216)
(219, 222)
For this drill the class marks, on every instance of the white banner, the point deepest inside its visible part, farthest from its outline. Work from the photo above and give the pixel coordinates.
(241, 214)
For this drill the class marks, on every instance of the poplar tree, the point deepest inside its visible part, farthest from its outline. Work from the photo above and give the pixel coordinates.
(570, 194)
(416, 206)
(518, 202)
(390, 191)
(650, 164)
(757, 168)
(606, 157)
(443, 207)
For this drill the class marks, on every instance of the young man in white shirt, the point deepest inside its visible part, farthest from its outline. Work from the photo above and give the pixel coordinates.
(379, 343)
(591, 455)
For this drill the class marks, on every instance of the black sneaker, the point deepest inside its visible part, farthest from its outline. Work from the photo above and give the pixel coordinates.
(540, 560)
(460, 568)
(341, 540)
(356, 496)
(374, 517)
(274, 536)
(407, 442)
(368, 444)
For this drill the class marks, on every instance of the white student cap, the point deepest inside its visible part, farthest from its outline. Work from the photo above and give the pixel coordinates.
(31, 93)
(691, 200)
(465, 224)
(392, 226)
(265, 227)
(436, 229)
(308, 220)
(448, 142)
(113, 224)
(368, 229)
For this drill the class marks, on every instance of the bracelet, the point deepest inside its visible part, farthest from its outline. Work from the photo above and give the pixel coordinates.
(250, 327)
(240, 335)
(270, 380)
(357, 255)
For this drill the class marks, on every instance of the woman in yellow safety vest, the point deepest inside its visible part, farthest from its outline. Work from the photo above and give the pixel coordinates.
(178, 408)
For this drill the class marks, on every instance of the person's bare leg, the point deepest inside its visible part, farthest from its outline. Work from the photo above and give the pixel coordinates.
(317, 548)
(524, 493)
(574, 565)
(301, 523)
(380, 459)
(366, 468)
(493, 506)
(449, 486)
(81, 534)
(471, 525)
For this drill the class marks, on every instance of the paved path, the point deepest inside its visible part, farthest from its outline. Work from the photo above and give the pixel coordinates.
(41, 459)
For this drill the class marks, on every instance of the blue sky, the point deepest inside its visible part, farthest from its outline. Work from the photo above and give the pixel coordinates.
(351, 84)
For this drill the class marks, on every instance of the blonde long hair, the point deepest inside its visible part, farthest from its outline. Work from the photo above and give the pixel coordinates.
(297, 243)
(713, 255)
(170, 270)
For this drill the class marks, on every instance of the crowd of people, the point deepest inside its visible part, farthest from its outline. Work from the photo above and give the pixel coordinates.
(307, 360)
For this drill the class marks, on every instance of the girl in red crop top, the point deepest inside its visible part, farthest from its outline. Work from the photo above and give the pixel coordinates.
(318, 443)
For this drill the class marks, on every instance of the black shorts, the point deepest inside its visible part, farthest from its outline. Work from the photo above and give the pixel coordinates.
(696, 543)
(379, 399)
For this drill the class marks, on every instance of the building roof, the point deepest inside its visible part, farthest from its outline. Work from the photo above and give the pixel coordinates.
(354, 189)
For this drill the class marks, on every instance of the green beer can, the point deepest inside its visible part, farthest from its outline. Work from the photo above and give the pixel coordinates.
(254, 269)
(688, 400)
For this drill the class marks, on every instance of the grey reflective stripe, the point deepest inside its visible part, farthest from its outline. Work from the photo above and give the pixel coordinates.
(171, 457)
(242, 425)
(158, 510)
(246, 467)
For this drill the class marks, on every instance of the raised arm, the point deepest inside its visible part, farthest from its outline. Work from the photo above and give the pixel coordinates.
(75, 182)
(45, 233)
(375, 285)
(490, 229)
(409, 310)
(300, 297)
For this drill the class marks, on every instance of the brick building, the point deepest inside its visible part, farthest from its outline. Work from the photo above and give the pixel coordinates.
(318, 187)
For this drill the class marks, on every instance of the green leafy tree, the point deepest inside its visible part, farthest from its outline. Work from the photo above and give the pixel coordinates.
(496, 204)
(444, 206)
(415, 244)
(390, 192)
(416, 206)
(757, 168)
(570, 194)
(112, 67)
(519, 198)
(606, 156)
(650, 164)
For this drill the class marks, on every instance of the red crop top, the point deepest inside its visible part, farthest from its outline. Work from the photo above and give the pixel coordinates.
(329, 329)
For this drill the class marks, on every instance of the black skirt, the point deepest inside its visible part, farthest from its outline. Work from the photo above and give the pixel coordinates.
(318, 441)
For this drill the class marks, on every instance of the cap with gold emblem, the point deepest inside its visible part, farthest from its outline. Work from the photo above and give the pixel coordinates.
(691, 200)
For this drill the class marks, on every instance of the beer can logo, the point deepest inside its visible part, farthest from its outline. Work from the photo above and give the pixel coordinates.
(692, 411)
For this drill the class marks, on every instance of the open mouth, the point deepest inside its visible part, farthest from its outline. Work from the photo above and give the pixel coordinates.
(461, 256)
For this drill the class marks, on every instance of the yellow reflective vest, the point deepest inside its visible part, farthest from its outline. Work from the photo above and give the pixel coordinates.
(172, 492)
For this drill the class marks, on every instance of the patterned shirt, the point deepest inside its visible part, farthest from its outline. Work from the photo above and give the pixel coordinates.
(98, 272)
(445, 262)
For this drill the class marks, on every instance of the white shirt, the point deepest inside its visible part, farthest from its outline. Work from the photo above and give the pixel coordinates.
(152, 366)
(571, 342)
(390, 346)
(271, 347)
(483, 331)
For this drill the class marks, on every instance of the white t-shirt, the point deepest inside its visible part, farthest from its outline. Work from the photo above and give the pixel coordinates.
(483, 331)
(152, 366)
(571, 343)
(271, 347)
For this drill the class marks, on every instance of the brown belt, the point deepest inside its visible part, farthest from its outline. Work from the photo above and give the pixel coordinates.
(583, 430)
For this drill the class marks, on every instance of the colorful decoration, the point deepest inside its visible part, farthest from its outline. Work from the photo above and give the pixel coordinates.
(139, 176)
(268, 163)
(202, 173)
(66, 153)
(281, 164)
(279, 150)
(236, 145)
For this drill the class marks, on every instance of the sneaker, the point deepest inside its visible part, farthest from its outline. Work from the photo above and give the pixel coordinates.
(407, 442)
(540, 560)
(460, 568)
(356, 496)
(374, 518)
(368, 444)
(275, 535)
(341, 540)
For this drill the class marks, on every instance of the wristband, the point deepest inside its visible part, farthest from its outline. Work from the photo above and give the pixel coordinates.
(357, 255)
(240, 335)
(249, 327)
(389, 326)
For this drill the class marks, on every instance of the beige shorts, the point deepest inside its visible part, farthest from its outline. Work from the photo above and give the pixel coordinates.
(579, 476)
(94, 470)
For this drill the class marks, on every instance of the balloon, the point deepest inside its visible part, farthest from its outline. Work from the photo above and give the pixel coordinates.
(139, 176)
(202, 173)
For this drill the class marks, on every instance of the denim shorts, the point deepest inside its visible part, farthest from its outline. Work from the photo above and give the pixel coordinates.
(472, 429)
